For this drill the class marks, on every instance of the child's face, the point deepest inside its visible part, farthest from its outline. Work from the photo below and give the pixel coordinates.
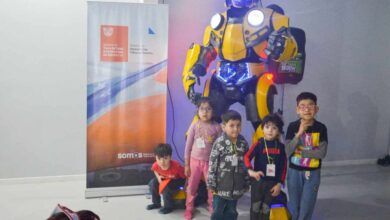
(307, 109)
(232, 128)
(163, 162)
(205, 112)
(270, 131)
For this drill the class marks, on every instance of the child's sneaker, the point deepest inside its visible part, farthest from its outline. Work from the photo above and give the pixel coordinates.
(164, 210)
(153, 206)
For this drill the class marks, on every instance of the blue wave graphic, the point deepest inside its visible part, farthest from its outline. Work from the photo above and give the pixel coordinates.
(104, 96)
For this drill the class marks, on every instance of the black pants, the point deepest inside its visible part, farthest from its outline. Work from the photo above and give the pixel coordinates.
(224, 209)
(172, 187)
(261, 198)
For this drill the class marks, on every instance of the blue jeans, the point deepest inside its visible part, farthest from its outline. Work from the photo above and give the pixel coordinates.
(224, 209)
(302, 192)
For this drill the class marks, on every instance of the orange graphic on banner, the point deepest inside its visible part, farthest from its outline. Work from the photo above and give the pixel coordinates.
(135, 126)
(114, 41)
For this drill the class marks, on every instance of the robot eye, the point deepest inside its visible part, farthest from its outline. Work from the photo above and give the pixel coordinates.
(216, 21)
(255, 17)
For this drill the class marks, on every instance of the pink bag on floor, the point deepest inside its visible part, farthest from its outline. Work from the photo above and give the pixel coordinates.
(64, 213)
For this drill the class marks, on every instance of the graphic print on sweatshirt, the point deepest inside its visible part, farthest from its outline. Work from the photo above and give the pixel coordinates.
(308, 141)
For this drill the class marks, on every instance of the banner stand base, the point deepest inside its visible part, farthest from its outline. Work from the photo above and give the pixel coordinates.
(116, 191)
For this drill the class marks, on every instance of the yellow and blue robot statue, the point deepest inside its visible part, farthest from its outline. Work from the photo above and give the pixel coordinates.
(256, 48)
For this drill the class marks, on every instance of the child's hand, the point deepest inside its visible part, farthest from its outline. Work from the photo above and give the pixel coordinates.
(187, 170)
(255, 174)
(297, 151)
(302, 128)
(276, 190)
(159, 178)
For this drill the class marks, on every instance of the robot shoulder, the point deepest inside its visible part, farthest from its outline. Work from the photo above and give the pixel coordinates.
(214, 31)
(259, 23)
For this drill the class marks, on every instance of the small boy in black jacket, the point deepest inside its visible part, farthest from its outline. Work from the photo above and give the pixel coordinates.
(269, 169)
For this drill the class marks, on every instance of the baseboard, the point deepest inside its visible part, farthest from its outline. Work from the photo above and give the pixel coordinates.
(348, 162)
(89, 192)
(41, 179)
(115, 191)
(137, 190)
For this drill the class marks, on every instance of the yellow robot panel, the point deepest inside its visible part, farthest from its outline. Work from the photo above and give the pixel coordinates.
(210, 37)
(187, 76)
(290, 45)
(290, 49)
(262, 90)
(279, 21)
(206, 91)
(279, 213)
(213, 35)
(233, 46)
(257, 135)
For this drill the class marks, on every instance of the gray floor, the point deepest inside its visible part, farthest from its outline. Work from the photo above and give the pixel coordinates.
(346, 193)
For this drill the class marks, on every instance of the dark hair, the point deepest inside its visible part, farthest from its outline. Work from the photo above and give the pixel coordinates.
(307, 95)
(275, 119)
(230, 115)
(204, 100)
(163, 150)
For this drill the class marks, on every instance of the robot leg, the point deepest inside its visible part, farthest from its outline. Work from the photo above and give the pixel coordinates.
(265, 91)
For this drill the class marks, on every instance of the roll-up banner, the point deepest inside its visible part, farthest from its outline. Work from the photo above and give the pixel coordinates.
(126, 95)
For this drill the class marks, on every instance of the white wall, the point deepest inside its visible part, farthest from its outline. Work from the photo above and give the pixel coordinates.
(43, 78)
(349, 69)
(43, 87)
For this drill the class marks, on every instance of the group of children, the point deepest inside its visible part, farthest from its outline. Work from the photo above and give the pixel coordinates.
(221, 156)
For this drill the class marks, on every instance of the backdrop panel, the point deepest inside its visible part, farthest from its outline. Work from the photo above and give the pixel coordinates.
(126, 100)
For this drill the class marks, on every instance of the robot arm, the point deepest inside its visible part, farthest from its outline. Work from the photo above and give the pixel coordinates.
(197, 61)
(285, 49)
(199, 57)
(282, 45)
(267, 31)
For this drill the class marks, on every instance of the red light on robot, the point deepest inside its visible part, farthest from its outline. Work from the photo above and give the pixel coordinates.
(269, 76)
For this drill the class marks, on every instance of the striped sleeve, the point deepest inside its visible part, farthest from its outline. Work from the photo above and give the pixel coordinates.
(283, 164)
(253, 150)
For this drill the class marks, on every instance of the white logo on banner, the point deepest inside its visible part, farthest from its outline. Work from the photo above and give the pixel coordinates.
(108, 31)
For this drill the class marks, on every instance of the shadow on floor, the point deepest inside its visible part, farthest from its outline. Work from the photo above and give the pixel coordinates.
(336, 209)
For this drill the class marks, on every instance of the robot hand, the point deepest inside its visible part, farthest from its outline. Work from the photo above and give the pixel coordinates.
(199, 70)
(276, 43)
(193, 96)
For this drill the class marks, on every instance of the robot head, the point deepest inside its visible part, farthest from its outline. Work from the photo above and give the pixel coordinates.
(242, 3)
